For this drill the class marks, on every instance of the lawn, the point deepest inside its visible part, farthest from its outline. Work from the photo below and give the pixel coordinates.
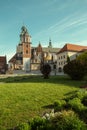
(24, 97)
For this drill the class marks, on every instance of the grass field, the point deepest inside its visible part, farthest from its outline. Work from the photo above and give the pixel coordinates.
(22, 98)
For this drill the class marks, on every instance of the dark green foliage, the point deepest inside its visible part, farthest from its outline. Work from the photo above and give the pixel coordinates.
(76, 104)
(59, 105)
(83, 59)
(67, 120)
(68, 59)
(76, 94)
(45, 70)
(38, 123)
(23, 126)
(64, 120)
(75, 70)
(84, 100)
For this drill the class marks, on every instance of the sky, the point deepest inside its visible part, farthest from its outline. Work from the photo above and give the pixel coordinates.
(62, 21)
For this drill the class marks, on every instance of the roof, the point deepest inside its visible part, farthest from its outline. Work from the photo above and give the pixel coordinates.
(83, 50)
(49, 49)
(72, 47)
(13, 59)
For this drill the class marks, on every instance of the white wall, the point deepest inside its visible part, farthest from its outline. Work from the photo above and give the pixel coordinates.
(62, 58)
(26, 64)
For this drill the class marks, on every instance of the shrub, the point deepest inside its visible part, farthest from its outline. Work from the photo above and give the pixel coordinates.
(83, 59)
(68, 120)
(38, 123)
(84, 100)
(59, 104)
(76, 104)
(23, 126)
(75, 70)
(83, 115)
(76, 94)
(81, 93)
(45, 70)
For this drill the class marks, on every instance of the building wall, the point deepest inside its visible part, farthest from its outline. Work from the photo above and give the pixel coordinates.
(62, 58)
(26, 50)
(35, 66)
(26, 64)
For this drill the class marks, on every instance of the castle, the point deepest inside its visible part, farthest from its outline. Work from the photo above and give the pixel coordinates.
(29, 58)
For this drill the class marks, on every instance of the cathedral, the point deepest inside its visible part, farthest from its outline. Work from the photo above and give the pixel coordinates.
(29, 58)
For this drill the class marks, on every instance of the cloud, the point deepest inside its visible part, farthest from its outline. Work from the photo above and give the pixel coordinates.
(69, 23)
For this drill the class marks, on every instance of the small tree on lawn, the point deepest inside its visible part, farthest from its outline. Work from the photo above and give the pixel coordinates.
(45, 70)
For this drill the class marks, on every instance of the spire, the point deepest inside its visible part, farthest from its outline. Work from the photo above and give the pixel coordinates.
(39, 48)
(50, 43)
(39, 44)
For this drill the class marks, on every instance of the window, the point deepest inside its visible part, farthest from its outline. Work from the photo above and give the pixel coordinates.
(26, 51)
(27, 45)
(64, 56)
(26, 39)
(64, 62)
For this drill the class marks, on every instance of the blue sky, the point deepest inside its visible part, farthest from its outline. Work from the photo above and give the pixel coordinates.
(64, 21)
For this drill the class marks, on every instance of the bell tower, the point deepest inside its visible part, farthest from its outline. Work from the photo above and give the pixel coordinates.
(25, 40)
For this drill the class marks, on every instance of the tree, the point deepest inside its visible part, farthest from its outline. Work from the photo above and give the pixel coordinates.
(83, 59)
(68, 59)
(75, 70)
(45, 70)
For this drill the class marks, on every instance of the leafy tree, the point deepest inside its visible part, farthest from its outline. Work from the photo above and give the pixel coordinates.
(45, 70)
(83, 59)
(75, 70)
(68, 59)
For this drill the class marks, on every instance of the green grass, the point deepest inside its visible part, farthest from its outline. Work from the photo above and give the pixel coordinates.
(24, 97)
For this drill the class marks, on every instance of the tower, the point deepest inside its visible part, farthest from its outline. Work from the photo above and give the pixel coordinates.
(50, 43)
(25, 40)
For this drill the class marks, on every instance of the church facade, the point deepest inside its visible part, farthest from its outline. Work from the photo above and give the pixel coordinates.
(30, 58)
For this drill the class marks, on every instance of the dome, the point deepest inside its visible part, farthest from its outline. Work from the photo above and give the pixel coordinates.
(24, 30)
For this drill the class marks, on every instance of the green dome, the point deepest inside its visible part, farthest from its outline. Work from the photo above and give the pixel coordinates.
(24, 30)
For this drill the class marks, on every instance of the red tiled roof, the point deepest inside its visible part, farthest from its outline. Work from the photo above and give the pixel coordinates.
(72, 47)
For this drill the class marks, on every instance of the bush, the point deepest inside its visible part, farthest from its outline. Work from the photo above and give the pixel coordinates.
(68, 120)
(83, 59)
(59, 104)
(38, 123)
(76, 104)
(23, 126)
(75, 70)
(84, 100)
(81, 93)
(45, 70)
